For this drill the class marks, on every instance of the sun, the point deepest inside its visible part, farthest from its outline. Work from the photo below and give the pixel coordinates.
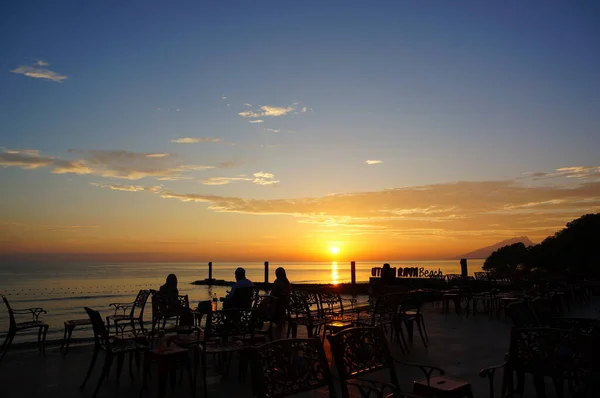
(334, 249)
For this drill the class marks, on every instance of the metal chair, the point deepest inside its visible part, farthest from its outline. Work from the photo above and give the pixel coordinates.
(131, 313)
(16, 327)
(290, 366)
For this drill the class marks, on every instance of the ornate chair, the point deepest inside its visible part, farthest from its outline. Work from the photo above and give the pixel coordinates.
(112, 347)
(579, 325)
(15, 326)
(127, 314)
(361, 351)
(383, 312)
(543, 309)
(288, 367)
(225, 332)
(304, 310)
(166, 319)
(337, 318)
(521, 315)
(545, 352)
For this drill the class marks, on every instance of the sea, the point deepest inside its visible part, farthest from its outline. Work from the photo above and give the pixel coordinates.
(63, 290)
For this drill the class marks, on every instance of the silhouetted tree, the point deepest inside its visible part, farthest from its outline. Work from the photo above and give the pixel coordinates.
(574, 251)
(507, 259)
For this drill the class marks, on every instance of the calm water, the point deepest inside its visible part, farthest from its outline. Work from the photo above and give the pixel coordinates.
(64, 289)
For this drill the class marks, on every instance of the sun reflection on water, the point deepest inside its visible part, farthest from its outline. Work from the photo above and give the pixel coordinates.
(335, 276)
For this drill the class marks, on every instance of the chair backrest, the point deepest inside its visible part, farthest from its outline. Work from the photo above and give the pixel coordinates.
(11, 314)
(289, 366)
(358, 351)
(160, 311)
(237, 322)
(140, 303)
(330, 303)
(242, 297)
(544, 310)
(521, 315)
(578, 325)
(100, 333)
(554, 353)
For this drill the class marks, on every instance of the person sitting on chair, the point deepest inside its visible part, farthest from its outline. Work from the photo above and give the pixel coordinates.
(243, 287)
(170, 292)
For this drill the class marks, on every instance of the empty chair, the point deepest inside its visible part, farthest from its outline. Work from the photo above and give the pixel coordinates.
(290, 366)
(15, 326)
(521, 315)
(361, 351)
(128, 314)
(544, 310)
(112, 347)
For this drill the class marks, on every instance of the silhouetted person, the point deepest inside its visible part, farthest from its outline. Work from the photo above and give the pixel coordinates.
(244, 296)
(170, 292)
(281, 289)
(387, 275)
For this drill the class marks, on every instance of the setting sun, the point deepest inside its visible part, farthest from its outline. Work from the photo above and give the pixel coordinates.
(334, 249)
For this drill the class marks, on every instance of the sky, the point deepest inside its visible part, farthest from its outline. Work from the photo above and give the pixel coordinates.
(250, 131)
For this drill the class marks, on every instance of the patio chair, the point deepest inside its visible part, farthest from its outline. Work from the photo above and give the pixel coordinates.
(16, 327)
(361, 351)
(579, 325)
(132, 313)
(225, 332)
(290, 366)
(337, 318)
(410, 313)
(521, 315)
(113, 346)
(304, 310)
(545, 352)
(544, 310)
(166, 319)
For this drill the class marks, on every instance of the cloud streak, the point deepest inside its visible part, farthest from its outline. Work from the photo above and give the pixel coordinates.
(117, 164)
(371, 162)
(272, 111)
(484, 209)
(195, 140)
(39, 71)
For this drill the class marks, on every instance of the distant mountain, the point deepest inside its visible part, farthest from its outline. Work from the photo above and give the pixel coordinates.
(484, 252)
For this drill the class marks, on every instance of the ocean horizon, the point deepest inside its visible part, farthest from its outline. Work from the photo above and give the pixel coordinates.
(63, 290)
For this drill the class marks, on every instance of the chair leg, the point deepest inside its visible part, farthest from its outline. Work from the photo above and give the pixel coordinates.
(43, 343)
(204, 381)
(422, 319)
(7, 342)
(89, 372)
(131, 354)
(120, 360)
(69, 332)
(421, 332)
(105, 371)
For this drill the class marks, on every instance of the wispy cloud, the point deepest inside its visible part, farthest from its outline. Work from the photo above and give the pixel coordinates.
(271, 111)
(112, 164)
(484, 209)
(256, 121)
(195, 140)
(39, 71)
(273, 130)
(223, 180)
(373, 161)
(248, 105)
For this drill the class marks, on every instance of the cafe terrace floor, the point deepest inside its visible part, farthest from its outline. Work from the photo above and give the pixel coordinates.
(459, 344)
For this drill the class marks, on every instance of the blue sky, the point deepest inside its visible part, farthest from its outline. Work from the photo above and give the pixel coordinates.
(429, 92)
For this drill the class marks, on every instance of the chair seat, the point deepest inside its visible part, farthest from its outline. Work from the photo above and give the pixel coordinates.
(119, 317)
(78, 322)
(442, 386)
(216, 348)
(128, 345)
(30, 325)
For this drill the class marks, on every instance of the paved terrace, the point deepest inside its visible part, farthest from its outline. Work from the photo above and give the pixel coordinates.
(459, 344)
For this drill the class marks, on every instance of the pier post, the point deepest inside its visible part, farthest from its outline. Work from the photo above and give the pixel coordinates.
(266, 272)
(353, 272)
(210, 270)
(464, 271)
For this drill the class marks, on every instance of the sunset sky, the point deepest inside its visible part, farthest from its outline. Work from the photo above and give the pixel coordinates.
(235, 130)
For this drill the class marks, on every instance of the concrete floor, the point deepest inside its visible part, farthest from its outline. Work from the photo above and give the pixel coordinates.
(459, 344)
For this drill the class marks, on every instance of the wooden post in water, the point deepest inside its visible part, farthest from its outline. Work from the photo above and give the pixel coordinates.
(353, 272)
(464, 271)
(266, 272)
(210, 270)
